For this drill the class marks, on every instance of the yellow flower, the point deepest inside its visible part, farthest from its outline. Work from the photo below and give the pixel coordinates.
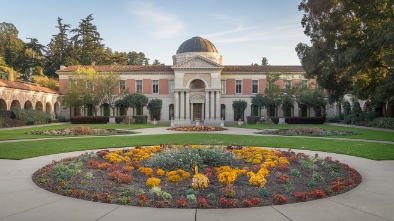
(152, 182)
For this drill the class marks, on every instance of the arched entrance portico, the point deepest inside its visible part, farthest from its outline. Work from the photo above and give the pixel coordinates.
(3, 105)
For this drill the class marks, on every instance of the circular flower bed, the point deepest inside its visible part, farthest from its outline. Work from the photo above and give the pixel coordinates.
(197, 176)
(197, 128)
(81, 130)
(306, 131)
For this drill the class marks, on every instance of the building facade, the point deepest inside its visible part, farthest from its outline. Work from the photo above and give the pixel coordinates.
(197, 87)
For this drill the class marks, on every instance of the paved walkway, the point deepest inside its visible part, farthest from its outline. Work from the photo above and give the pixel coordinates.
(21, 199)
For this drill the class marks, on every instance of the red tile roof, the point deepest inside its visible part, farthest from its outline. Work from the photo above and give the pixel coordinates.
(121, 68)
(167, 68)
(25, 86)
(268, 68)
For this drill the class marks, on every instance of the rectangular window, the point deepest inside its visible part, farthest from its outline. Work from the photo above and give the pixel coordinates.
(304, 84)
(139, 86)
(238, 87)
(122, 85)
(287, 84)
(255, 86)
(155, 86)
(223, 87)
(171, 87)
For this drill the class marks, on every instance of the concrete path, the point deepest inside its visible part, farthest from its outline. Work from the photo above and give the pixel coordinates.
(21, 199)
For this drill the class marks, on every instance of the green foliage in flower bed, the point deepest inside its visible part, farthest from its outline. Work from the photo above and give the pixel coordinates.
(188, 157)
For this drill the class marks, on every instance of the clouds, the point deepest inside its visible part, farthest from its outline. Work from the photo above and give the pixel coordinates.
(161, 23)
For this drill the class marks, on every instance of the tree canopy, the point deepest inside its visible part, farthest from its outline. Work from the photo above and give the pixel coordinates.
(351, 47)
(82, 45)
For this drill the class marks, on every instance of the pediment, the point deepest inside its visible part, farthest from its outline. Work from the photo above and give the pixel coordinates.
(197, 62)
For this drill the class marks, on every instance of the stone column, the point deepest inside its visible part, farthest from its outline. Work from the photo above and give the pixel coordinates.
(182, 103)
(212, 103)
(218, 107)
(191, 112)
(296, 110)
(176, 105)
(187, 106)
(207, 105)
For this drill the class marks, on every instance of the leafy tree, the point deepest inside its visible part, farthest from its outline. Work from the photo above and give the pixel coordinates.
(134, 100)
(107, 85)
(312, 99)
(264, 61)
(154, 107)
(87, 47)
(352, 47)
(287, 102)
(135, 58)
(156, 63)
(239, 107)
(72, 98)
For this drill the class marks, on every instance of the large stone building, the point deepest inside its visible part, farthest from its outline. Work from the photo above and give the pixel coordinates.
(197, 87)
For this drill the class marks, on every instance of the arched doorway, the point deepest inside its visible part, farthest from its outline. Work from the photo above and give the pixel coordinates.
(3, 104)
(39, 106)
(105, 109)
(15, 104)
(197, 101)
(48, 107)
(28, 105)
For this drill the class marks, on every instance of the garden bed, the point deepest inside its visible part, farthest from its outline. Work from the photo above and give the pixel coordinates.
(75, 131)
(306, 131)
(197, 176)
(197, 128)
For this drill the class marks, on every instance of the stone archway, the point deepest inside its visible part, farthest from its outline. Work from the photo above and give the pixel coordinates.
(28, 105)
(39, 106)
(56, 108)
(48, 107)
(15, 104)
(3, 104)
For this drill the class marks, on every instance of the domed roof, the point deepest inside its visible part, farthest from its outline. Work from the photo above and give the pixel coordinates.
(197, 44)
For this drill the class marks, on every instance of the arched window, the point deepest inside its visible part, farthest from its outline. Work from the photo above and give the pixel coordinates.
(197, 84)
(171, 111)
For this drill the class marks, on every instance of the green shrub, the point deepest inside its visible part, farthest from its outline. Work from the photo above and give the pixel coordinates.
(89, 119)
(383, 122)
(140, 119)
(119, 119)
(334, 119)
(32, 117)
(186, 158)
(252, 119)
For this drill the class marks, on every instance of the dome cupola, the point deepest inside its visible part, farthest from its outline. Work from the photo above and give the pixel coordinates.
(197, 44)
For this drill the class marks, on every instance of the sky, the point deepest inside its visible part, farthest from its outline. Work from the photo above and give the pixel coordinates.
(242, 31)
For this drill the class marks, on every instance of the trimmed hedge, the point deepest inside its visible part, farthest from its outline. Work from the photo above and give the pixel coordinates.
(305, 120)
(301, 120)
(140, 119)
(119, 119)
(89, 120)
(8, 122)
(252, 119)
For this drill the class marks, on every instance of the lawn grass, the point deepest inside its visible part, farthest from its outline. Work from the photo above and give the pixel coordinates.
(362, 133)
(28, 149)
(20, 133)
